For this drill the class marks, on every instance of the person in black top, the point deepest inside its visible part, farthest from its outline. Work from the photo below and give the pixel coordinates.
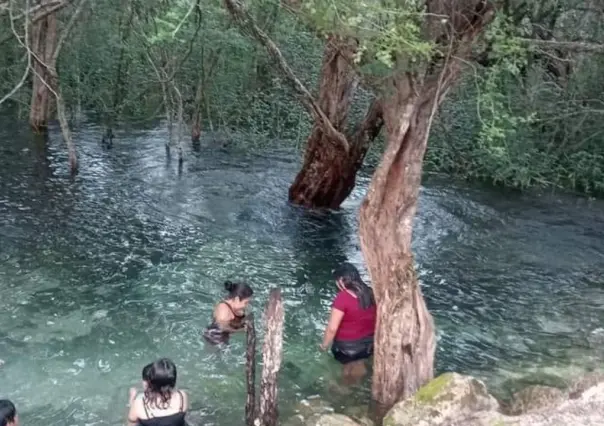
(161, 404)
(229, 315)
(8, 413)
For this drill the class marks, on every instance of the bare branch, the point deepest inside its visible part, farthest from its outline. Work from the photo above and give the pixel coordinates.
(67, 30)
(26, 37)
(245, 21)
(575, 46)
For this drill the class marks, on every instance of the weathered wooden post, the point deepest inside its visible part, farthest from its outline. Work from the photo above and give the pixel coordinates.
(250, 370)
(271, 358)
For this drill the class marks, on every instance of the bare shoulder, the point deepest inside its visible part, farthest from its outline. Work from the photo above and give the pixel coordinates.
(222, 312)
(137, 406)
(185, 399)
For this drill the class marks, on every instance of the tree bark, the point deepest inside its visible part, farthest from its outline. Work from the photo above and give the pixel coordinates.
(405, 338)
(271, 358)
(328, 172)
(43, 45)
(250, 371)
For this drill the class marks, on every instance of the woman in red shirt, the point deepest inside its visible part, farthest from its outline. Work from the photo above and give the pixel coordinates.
(352, 323)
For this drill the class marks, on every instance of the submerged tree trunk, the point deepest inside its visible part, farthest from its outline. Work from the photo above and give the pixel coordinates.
(328, 173)
(274, 317)
(250, 371)
(331, 160)
(43, 44)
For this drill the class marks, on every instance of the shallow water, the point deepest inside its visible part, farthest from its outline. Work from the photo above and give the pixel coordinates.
(102, 274)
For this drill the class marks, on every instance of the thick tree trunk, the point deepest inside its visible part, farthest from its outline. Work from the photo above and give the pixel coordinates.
(405, 338)
(43, 44)
(271, 359)
(328, 173)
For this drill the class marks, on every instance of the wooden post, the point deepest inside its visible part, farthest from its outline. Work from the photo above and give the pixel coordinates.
(271, 358)
(250, 370)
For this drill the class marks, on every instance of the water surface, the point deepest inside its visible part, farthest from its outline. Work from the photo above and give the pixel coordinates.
(101, 274)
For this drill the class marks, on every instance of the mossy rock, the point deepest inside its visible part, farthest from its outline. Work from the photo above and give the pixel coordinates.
(447, 397)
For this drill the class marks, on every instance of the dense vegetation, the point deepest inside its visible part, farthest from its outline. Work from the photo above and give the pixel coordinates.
(527, 115)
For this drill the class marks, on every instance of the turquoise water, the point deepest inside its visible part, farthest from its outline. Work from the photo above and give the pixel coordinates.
(101, 274)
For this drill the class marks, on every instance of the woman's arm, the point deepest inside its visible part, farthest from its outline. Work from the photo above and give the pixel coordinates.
(132, 419)
(332, 327)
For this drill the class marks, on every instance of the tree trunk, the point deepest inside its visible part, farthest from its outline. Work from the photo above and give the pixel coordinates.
(271, 359)
(405, 338)
(329, 171)
(43, 45)
(250, 371)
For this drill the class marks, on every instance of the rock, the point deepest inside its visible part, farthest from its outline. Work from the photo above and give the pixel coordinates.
(313, 405)
(577, 388)
(359, 414)
(333, 420)
(448, 396)
(534, 398)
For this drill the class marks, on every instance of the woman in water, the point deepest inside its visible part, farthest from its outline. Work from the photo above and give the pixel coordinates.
(229, 315)
(8, 413)
(352, 323)
(161, 404)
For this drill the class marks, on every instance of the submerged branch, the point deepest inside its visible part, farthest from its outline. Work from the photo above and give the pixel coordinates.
(245, 21)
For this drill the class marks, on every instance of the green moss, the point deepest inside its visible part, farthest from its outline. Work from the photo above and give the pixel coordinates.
(432, 389)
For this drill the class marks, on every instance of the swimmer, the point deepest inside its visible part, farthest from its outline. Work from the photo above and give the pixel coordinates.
(229, 315)
(351, 324)
(8, 413)
(161, 404)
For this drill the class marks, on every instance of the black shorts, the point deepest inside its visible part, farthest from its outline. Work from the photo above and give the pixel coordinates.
(345, 351)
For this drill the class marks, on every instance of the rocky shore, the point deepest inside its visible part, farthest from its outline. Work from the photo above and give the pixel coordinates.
(457, 400)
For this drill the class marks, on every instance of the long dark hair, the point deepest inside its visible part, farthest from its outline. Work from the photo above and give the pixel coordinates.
(353, 282)
(240, 290)
(8, 412)
(161, 381)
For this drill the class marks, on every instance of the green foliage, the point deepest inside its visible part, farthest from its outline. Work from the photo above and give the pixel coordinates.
(387, 31)
(514, 122)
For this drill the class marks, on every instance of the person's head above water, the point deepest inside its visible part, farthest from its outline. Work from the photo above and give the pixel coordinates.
(347, 277)
(161, 381)
(239, 294)
(8, 413)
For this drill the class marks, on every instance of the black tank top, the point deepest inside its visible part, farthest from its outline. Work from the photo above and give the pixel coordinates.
(176, 419)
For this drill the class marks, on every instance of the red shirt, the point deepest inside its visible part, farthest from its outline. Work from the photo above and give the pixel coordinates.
(357, 323)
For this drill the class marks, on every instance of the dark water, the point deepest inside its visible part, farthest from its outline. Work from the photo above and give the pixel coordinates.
(100, 275)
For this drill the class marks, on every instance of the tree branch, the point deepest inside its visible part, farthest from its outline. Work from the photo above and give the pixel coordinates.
(245, 21)
(575, 46)
(67, 30)
(28, 66)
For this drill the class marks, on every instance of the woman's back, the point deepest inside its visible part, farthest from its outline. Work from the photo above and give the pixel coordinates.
(161, 403)
(170, 413)
(357, 323)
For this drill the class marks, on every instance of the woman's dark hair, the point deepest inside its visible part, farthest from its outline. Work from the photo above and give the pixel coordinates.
(8, 412)
(160, 383)
(147, 372)
(352, 280)
(240, 290)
